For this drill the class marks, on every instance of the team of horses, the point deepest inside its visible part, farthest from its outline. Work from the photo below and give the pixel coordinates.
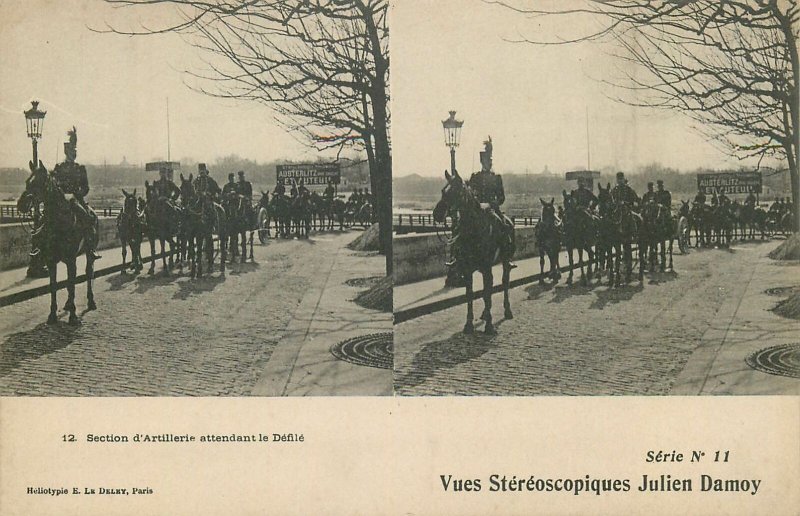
(607, 238)
(185, 228)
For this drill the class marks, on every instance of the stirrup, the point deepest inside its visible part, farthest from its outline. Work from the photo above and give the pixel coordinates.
(512, 265)
(35, 252)
(451, 263)
(93, 255)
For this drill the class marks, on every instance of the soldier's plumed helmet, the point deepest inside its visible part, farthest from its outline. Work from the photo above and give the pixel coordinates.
(201, 168)
(231, 175)
(620, 175)
(660, 182)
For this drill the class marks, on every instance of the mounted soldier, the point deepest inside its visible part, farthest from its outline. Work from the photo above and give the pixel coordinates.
(488, 189)
(700, 198)
(649, 195)
(329, 193)
(624, 194)
(583, 196)
(662, 196)
(165, 189)
(280, 189)
(230, 189)
(71, 178)
(302, 191)
(244, 187)
(205, 184)
(293, 191)
(751, 200)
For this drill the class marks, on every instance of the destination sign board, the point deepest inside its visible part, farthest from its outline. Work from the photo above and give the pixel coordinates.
(730, 182)
(310, 173)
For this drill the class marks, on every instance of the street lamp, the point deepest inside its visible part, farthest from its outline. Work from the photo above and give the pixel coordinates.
(35, 121)
(452, 135)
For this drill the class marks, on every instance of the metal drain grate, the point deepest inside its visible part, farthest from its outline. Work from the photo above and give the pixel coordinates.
(779, 360)
(782, 291)
(374, 350)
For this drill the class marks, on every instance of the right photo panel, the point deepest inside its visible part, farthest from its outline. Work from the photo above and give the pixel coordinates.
(594, 198)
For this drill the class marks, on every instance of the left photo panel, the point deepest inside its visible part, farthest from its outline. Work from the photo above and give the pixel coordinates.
(195, 198)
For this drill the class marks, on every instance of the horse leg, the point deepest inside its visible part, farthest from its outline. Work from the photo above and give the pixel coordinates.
(468, 326)
(91, 305)
(670, 254)
(541, 266)
(488, 283)
(223, 258)
(251, 246)
(641, 265)
(153, 258)
(125, 256)
(244, 247)
(663, 248)
(580, 265)
(53, 317)
(506, 282)
(571, 265)
(71, 272)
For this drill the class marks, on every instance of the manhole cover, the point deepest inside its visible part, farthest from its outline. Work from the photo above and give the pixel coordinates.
(780, 360)
(374, 350)
(363, 282)
(782, 291)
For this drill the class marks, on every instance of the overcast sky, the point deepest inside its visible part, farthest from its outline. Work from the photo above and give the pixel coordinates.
(114, 89)
(451, 54)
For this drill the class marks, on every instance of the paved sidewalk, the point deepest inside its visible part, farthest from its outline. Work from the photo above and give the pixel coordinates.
(302, 363)
(742, 326)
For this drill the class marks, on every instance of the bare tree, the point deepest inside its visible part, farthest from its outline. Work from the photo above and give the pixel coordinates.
(731, 65)
(322, 65)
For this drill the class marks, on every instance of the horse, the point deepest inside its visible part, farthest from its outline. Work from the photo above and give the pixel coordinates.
(240, 215)
(607, 239)
(203, 217)
(130, 228)
(162, 223)
(63, 238)
(364, 214)
(548, 240)
(700, 218)
(301, 215)
(482, 245)
(279, 210)
(722, 225)
(336, 213)
(658, 235)
(625, 226)
(579, 233)
(319, 211)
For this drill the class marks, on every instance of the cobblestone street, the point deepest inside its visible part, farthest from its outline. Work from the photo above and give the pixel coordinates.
(576, 340)
(157, 335)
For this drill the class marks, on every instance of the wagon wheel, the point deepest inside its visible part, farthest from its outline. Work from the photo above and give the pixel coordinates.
(263, 225)
(683, 235)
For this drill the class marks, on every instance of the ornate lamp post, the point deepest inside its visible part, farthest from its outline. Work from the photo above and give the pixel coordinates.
(34, 119)
(452, 136)
(35, 122)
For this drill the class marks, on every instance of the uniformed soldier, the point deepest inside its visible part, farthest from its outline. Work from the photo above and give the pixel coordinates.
(368, 197)
(164, 188)
(205, 184)
(751, 200)
(662, 196)
(230, 187)
(72, 179)
(700, 198)
(353, 197)
(302, 191)
(244, 188)
(489, 191)
(584, 197)
(649, 195)
(293, 190)
(623, 193)
(330, 192)
(280, 189)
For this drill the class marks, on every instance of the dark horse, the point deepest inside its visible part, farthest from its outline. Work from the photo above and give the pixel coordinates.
(481, 235)
(64, 238)
(163, 224)
(130, 228)
(202, 218)
(301, 210)
(280, 212)
(241, 221)
(658, 235)
(619, 230)
(548, 240)
(580, 233)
